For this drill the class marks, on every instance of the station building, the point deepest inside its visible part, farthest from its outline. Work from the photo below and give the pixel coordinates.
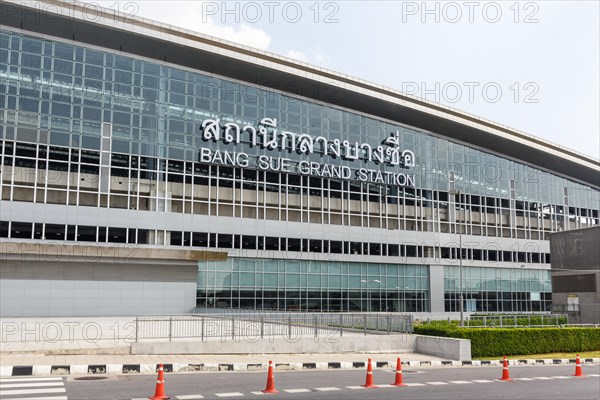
(301, 189)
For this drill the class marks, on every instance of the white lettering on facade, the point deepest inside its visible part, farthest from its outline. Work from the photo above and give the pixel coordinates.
(267, 136)
(237, 159)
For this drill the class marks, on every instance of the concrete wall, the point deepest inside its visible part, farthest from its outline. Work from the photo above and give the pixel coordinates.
(51, 279)
(448, 348)
(452, 349)
(38, 289)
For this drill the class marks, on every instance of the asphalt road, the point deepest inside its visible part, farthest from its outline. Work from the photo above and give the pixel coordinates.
(530, 382)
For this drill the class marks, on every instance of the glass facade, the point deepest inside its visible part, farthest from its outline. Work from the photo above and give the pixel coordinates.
(303, 285)
(58, 93)
(80, 126)
(498, 289)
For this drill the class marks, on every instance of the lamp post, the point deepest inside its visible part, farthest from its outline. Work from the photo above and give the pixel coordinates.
(369, 292)
(460, 267)
(525, 288)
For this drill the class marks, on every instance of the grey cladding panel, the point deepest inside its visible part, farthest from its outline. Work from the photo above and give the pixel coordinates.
(577, 249)
(574, 283)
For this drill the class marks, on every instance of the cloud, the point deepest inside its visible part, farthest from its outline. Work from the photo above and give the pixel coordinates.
(297, 55)
(322, 60)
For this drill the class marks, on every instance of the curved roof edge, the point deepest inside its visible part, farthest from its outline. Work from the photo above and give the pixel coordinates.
(78, 21)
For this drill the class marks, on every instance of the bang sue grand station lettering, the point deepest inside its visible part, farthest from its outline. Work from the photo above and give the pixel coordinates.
(267, 136)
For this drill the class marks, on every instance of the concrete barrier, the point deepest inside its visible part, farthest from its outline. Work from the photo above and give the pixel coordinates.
(448, 348)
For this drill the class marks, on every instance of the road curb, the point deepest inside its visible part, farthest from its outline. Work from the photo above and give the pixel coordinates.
(126, 369)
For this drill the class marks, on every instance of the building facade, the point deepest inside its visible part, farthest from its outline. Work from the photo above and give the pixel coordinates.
(327, 192)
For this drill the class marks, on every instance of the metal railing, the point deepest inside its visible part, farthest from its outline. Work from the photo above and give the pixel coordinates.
(516, 320)
(260, 325)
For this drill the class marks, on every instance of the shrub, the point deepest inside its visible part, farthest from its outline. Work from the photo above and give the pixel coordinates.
(491, 342)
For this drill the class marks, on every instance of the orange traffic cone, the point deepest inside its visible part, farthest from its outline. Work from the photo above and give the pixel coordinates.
(505, 373)
(369, 382)
(578, 372)
(159, 392)
(270, 388)
(398, 381)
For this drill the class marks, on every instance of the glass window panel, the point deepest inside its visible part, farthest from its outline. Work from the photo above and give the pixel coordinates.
(247, 265)
(335, 282)
(270, 280)
(292, 281)
(270, 265)
(354, 282)
(292, 266)
(247, 279)
(314, 280)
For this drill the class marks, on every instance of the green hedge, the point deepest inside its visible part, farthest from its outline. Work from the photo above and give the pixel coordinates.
(492, 342)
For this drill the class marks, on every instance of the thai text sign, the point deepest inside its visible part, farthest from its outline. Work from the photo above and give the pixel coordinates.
(268, 136)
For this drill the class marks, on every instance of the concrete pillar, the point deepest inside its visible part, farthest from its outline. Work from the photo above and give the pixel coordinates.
(436, 288)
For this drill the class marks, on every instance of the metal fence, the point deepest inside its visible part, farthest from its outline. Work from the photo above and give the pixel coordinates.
(261, 325)
(516, 320)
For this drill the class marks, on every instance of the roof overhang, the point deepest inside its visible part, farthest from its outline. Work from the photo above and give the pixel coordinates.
(137, 36)
(23, 250)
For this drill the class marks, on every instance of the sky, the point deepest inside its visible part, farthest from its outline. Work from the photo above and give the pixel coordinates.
(532, 66)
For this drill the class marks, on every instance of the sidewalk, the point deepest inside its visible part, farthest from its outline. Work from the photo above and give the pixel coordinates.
(82, 346)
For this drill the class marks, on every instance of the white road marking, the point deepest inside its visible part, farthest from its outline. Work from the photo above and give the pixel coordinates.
(594, 375)
(3, 380)
(327, 389)
(460, 382)
(190, 397)
(562, 377)
(481, 381)
(356, 387)
(414, 384)
(297, 390)
(44, 398)
(43, 388)
(29, 384)
(542, 378)
(230, 394)
(523, 379)
(31, 391)
(436, 383)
